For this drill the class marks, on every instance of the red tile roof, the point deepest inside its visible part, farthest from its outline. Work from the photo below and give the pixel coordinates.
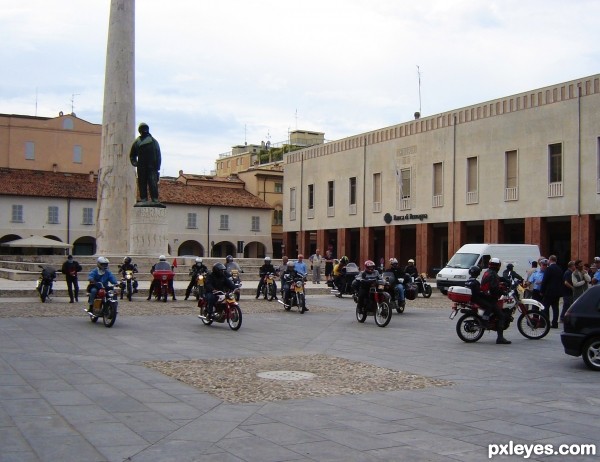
(35, 183)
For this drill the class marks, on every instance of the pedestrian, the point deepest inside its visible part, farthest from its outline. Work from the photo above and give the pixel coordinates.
(551, 289)
(329, 265)
(567, 289)
(315, 265)
(580, 279)
(535, 280)
(70, 268)
(300, 266)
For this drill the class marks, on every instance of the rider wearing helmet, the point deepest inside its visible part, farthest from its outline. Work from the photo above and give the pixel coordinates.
(363, 282)
(287, 278)
(491, 291)
(99, 275)
(216, 280)
(128, 266)
(265, 269)
(197, 268)
(411, 269)
(339, 273)
(509, 274)
(161, 265)
(232, 265)
(399, 274)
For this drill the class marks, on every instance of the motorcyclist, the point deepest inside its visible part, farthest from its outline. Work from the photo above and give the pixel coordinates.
(399, 274)
(287, 278)
(487, 294)
(128, 266)
(363, 282)
(411, 269)
(161, 265)
(510, 275)
(216, 280)
(232, 265)
(197, 268)
(339, 273)
(99, 274)
(265, 269)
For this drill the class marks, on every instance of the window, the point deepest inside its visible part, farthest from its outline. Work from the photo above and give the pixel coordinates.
(438, 185)
(277, 216)
(53, 214)
(278, 187)
(352, 195)
(88, 216)
(67, 123)
(224, 222)
(29, 150)
(292, 203)
(511, 189)
(405, 189)
(191, 221)
(472, 185)
(377, 192)
(311, 201)
(330, 198)
(77, 154)
(17, 214)
(256, 224)
(555, 172)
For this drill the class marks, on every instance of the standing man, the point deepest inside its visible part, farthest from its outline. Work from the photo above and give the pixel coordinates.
(551, 289)
(145, 155)
(70, 268)
(329, 265)
(300, 266)
(315, 265)
(567, 289)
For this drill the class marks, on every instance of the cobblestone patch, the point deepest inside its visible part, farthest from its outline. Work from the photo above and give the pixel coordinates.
(237, 380)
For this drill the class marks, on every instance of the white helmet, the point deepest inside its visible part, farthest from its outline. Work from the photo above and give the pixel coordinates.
(267, 259)
(393, 261)
(198, 260)
(411, 261)
(162, 258)
(102, 263)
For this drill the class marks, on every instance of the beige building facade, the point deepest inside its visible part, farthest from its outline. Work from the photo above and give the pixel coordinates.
(519, 169)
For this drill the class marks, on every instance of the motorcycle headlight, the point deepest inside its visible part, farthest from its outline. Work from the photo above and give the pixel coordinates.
(164, 278)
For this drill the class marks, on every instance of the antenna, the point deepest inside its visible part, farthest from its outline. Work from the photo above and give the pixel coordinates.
(419, 75)
(73, 102)
(36, 100)
(245, 136)
(296, 119)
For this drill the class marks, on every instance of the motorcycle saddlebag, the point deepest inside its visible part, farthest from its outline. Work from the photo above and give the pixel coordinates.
(410, 292)
(459, 294)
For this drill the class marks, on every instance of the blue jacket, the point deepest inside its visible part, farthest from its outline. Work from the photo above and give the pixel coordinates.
(105, 278)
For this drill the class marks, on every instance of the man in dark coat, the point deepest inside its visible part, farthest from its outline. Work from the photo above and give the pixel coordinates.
(551, 290)
(70, 268)
(145, 155)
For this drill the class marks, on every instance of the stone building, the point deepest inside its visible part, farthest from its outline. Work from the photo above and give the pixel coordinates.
(518, 169)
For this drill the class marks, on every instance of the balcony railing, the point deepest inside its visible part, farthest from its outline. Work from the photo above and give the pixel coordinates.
(437, 201)
(405, 203)
(472, 197)
(352, 209)
(511, 194)
(331, 211)
(376, 207)
(310, 213)
(555, 189)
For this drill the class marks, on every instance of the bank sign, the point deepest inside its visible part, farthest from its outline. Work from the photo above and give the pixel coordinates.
(388, 217)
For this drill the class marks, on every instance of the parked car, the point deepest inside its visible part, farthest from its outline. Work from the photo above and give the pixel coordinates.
(581, 335)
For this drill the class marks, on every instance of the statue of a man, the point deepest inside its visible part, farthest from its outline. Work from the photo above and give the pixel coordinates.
(145, 155)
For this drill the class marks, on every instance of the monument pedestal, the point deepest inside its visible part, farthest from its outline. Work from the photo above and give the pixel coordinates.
(148, 231)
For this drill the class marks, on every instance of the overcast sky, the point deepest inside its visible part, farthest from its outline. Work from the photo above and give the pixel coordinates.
(214, 74)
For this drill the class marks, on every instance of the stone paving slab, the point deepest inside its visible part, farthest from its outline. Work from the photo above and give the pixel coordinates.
(71, 390)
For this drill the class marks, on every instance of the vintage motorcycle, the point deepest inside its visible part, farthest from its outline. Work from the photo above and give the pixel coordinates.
(45, 282)
(162, 280)
(198, 289)
(350, 272)
(235, 277)
(378, 303)
(268, 287)
(226, 309)
(105, 305)
(423, 286)
(128, 283)
(297, 295)
(470, 327)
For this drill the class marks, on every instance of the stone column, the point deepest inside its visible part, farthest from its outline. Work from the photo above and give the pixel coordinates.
(116, 177)
(149, 231)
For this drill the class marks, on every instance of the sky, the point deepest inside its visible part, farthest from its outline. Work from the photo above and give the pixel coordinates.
(214, 74)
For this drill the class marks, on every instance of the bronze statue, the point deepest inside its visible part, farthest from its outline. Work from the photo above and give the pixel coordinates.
(145, 155)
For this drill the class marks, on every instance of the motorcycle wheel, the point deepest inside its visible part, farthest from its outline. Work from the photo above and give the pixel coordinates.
(272, 293)
(400, 307)
(129, 290)
(44, 292)
(533, 325)
(427, 290)
(469, 328)
(110, 315)
(264, 291)
(383, 314)
(235, 318)
(302, 303)
(361, 317)
(164, 295)
(205, 320)
(287, 304)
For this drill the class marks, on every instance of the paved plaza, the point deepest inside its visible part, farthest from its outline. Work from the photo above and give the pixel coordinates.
(161, 386)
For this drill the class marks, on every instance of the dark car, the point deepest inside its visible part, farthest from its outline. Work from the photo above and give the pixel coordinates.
(581, 335)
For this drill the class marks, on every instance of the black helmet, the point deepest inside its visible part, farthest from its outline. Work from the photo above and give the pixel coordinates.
(474, 271)
(510, 267)
(228, 258)
(219, 269)
(127, 260)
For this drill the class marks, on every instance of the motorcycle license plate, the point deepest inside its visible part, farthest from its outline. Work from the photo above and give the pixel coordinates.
(453, 314)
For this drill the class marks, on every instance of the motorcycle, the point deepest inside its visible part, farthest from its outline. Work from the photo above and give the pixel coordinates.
(162, 282)
(351, 271)
(390, 282)
(297, 295)
(423, 286)
(45, 282)
(268, 287)
(378, 303)
(198, 290)
(105, 305)
(470, 327)
(128, 284)
(235, 277)
(226, 309)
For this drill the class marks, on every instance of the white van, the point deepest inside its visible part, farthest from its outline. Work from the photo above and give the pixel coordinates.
(456, 272)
